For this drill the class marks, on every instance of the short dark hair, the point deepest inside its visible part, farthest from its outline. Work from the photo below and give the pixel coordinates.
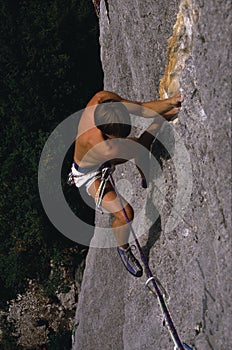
(112, 118)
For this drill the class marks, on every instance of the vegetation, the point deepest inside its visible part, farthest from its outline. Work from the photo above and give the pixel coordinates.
(49, 69)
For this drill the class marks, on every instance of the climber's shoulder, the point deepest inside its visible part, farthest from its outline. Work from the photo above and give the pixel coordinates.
(102, 96)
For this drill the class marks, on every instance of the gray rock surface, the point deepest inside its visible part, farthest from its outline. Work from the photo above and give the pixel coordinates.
(189, 245)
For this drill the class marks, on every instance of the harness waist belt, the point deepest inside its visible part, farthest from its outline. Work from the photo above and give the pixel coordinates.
(84, 170)
(93, 168)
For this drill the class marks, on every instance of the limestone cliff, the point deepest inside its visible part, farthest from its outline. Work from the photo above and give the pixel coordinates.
(185, 225)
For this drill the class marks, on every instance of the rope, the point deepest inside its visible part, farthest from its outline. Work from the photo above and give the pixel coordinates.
(152, 279)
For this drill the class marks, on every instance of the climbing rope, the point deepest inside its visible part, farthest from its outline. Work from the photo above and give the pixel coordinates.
(152, 282)
(157, 289)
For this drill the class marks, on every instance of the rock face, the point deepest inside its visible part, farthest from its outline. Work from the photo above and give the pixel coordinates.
(186, 220)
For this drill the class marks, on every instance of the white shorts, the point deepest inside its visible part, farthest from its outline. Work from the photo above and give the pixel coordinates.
(80, 179)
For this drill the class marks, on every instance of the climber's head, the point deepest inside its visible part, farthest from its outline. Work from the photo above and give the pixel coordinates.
(112, 118)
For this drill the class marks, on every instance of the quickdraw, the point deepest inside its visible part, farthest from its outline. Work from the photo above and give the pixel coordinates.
(106, 172)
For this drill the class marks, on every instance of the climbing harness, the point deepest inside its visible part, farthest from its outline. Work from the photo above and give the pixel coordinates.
(153, 284)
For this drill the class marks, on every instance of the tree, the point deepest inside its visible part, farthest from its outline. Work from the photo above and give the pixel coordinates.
(47, 72)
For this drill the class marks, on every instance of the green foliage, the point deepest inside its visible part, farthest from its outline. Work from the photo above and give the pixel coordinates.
(61, 341)
(7, 341)
(53, 283)
(49, 69)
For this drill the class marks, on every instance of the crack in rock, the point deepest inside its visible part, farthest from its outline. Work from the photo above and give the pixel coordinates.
(179, 48)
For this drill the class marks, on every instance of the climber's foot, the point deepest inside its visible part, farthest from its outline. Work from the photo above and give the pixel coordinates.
(130, 262)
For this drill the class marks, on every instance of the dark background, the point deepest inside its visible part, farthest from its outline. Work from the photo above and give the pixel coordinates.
(50, 68)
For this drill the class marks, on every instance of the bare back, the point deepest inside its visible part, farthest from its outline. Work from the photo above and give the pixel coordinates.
(90, 147)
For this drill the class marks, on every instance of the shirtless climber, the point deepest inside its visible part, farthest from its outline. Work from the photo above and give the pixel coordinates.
(105, 120)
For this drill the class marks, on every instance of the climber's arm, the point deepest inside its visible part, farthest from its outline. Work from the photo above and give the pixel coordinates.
(166, 108)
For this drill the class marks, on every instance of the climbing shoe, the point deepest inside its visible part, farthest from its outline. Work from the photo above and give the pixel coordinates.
(130, 262)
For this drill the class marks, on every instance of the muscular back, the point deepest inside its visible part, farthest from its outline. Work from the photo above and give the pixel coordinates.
(90, 147)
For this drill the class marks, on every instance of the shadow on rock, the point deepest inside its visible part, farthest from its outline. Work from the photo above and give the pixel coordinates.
(153, 236)
(163, 147)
